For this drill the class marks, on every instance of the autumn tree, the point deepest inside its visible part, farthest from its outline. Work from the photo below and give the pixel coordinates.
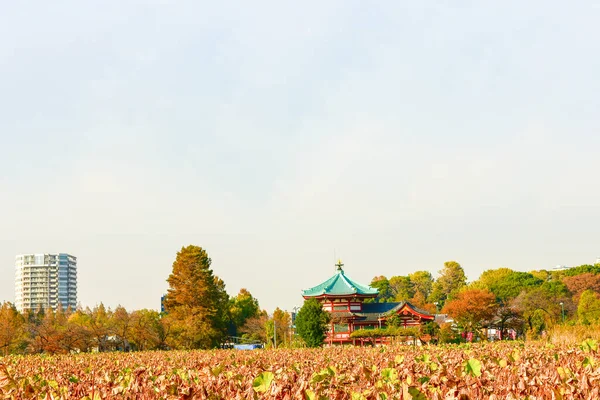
(452, 278)
(241, 308)
(12, 333)
(420, 301)
(577, 284)
(588, 309)
(148, 330)
(277, 328)
(541, 305)
(472, 309)
(98, 325)
(422, 284)
(561, 274)
(80, 328)
(39, 331)
(311, 323)
(223, 316)
(69, 335)
(542, 274)
(50, 333)
(196, 301)
(509, 317)
(255, 328)
(120, 324)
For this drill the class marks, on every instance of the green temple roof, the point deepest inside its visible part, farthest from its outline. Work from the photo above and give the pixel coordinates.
(340, 285)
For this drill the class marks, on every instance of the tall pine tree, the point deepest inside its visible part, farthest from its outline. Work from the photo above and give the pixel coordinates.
(196, 302)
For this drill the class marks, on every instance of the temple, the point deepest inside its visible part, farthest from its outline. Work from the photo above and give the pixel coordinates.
(345, 300)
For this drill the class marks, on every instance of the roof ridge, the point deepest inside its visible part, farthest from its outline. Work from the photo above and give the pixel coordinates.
(418, 309)
(361, 286)
(333, 281)
(347, 281)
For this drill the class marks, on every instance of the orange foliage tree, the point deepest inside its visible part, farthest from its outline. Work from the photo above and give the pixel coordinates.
(579, 283)
(472, 309)
(11, 328)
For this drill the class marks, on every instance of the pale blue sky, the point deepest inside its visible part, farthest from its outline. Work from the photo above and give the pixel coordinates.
(402, 135)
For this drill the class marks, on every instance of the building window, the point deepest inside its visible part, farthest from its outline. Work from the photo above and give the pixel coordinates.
(338, 328)
(340, 308)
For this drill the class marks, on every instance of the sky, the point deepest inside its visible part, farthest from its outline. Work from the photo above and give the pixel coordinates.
(281, 135)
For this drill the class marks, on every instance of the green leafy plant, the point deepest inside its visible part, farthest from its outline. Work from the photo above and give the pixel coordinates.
(262, 382)
(473, 367)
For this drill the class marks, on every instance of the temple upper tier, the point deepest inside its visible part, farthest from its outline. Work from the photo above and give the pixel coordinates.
(339, 285)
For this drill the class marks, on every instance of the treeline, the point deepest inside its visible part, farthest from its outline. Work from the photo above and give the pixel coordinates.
(528, 302)
(102, 329)
(97, 329)
(198, 314)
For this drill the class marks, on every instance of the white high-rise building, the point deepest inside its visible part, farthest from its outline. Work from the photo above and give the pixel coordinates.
(45, 280)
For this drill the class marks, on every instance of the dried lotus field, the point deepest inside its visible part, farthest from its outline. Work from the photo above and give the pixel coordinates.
(480, 371)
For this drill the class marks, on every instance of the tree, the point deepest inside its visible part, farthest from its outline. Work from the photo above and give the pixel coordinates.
(196, 300)
(542, 275)
(508, 317)
(472, 309)
(277, 328)
(505, 283)
(50, 334)
(401, 287)
(382, 284)
(12, 331)
(98, 324)
(452, 278)
(69, 334)
(121, 327)
(490, 276)
(255, 328)
(588, 309)
(148, 331)
(222, 316)
(241, 308)
(577, 284)
(509, 288)
(582, 269)
(540, 305)
(419, 301)
(80, 328)
(422, 284)
(311, 323)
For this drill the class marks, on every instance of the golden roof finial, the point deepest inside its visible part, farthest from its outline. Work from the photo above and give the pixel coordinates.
(339, 265)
